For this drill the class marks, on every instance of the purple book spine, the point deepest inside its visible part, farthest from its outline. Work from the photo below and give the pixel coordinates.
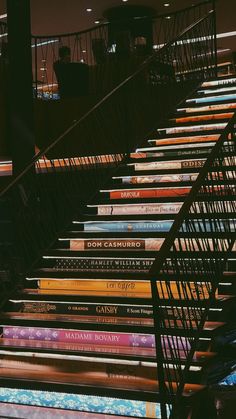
(93, 337)
(78, 336)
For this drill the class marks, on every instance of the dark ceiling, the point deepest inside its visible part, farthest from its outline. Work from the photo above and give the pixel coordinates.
(60, 16)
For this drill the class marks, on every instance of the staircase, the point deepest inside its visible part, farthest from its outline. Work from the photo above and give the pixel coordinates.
(81, 336)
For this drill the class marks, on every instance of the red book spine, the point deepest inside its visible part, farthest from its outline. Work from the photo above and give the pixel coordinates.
(151, 193)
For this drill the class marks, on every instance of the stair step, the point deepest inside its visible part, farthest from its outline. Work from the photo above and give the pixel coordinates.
(167, 148)
(144, 192)
(225, 81)
(213, 99)
(8, 410)
(190, 139)
(226, 107)
(217, 90)
(188, 152)
(36, 389)
(208, 117)
(196, 110)
(193, 128)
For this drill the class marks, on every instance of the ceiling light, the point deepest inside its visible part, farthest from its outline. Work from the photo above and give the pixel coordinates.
(89, 10)
(166, 4)
(124, 1)
(168, 17)
(97, 22)
(3, 16)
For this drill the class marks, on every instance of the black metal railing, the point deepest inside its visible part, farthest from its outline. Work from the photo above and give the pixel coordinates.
(36, 207)
(194, 255)
(108, 57)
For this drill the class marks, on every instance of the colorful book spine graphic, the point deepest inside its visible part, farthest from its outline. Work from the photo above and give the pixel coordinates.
(160, 178)
(171, 153)
(186, 140)
(166, 290)
(219, 82)
(134, 244)
(82, 347)
(16, 410)
(209, 108)
(177, 164)
(213, 99)
(82, 309)
(194, 128)
(227, 115)
(94, 337)
(150, 193)
(161, 208)
(142, 226)
(84, 403)
(79, 336)
(96, 284)
(101, 264)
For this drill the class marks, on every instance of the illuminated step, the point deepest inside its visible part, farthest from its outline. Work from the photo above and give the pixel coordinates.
(115, 264)
(227, 115)
(193, 128)
(219, 82)
(221, 107)
(212, 99)
(172, 164)
(219, 90)
(135, 209)
(185, 177)
(19, 411)
(117, 244)
(83, 403)
(175, 164)
(150, 244)
(173, 153)
(173, 147)
(147, 192)
(155, 225)
(185, 140)
(171, 289)
(128, 225)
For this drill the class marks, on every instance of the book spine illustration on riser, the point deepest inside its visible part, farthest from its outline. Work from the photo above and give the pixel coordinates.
(178, 164)
(161, 208)
(159, 178)
(152, 193)
(117, 244)
(78, 402)
(93, 337)
(172, 289)
(83, 309)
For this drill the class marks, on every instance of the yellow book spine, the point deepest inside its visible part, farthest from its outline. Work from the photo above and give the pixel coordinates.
(172, 289)
(96, 285)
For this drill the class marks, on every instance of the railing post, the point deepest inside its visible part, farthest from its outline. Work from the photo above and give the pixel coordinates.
(36, 65)
(214, 36)
(21, 133)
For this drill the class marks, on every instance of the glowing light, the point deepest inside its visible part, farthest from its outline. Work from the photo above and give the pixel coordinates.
(40, 44)
(89, 10)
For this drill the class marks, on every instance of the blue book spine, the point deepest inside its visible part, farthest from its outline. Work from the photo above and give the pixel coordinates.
(215, 99)
(130, 226)
(81, 402)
